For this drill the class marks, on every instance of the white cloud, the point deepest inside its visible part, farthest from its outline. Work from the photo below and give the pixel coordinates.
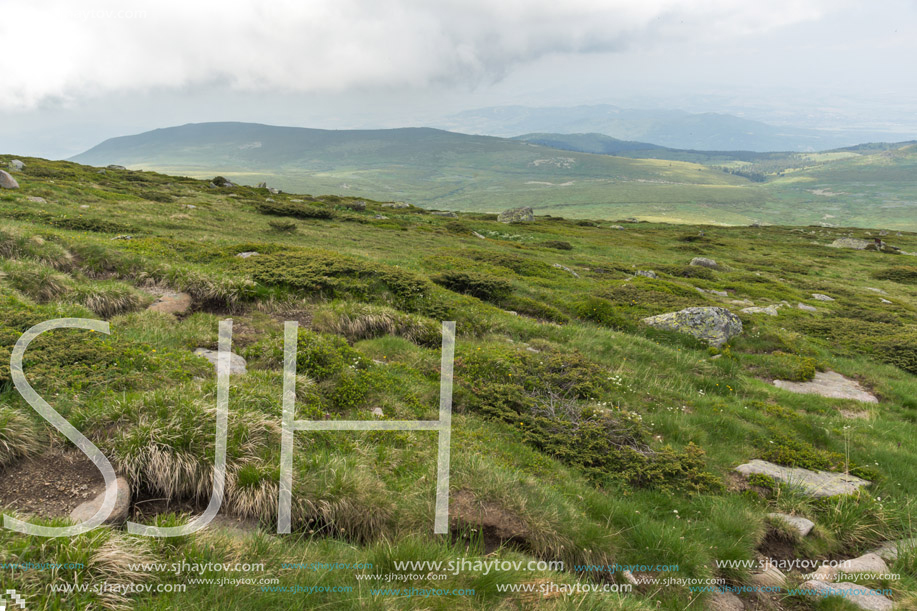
(56, 51)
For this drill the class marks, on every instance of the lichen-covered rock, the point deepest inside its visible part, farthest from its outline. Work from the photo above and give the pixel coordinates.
(16, 165)
(7, 181)
(853, 243)
(646, 273)
(716, 326)
(821, 297)
(517, 215)
(704, 262)
(817, 484)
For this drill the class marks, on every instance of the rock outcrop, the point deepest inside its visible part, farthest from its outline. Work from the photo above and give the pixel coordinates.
(816, 484)
(714, 325)
(517, 215)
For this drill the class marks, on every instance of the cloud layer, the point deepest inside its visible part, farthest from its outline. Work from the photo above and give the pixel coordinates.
(56, 51)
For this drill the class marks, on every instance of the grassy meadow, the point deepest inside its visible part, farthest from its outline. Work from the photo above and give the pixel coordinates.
(578, 435)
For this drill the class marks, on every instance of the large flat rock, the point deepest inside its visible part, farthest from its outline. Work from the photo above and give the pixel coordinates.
(829, 384)
(814, 483)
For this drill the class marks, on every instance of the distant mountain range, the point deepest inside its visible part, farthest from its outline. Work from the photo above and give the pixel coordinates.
(670, 128)
(577, 175)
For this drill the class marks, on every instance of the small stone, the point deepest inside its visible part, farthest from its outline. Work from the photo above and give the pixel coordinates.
(189, 206)
(37, 200)
(854, 243)
(820, 297)
(724, 601)
(806, 307)
(771, 577)
(719, 293)
(875, 290)
(704, 262)
(884, 300)
(478, 235)
(770, 310)
(445, 213)
(118, 514)
(123, 237)
(800, 524)
(517, 215)
(646, 273)
(566, 269)
(85, 207)
(615, 227)
(7, 181)
(237, 365)
(861, 596)
(247, 254)
(380, 217)
(377, 411)
(867, 563)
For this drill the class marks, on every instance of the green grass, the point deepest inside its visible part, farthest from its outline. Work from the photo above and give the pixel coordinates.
(586, 437)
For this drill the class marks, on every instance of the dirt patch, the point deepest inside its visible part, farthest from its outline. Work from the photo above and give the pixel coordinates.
(50, 485)
(495, 524)
(777, 547)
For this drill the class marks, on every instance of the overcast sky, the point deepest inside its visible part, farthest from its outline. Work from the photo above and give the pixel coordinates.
(77, 72)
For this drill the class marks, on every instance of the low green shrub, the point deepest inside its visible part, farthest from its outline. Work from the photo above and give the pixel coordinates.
(556, 245)
(295, 209)
(903, 274)
(482, 286)
(602, 312)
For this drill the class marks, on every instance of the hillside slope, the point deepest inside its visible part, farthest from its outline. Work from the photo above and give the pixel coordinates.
(580, 435)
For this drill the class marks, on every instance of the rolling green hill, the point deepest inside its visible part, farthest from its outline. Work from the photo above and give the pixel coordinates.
(445, 170)
(581, 436)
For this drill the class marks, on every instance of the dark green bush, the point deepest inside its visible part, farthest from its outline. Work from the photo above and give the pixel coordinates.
(603, 312)
(904, 274)
(322, 356)
(295, 209)
(556, 244)
(534, 308)
(282, 226)
(482, 286)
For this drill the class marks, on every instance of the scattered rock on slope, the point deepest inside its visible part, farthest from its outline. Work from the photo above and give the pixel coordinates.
(16, 165)
(714, 325)
(171, 302)
(861, 596)
(646, 273)
(237, 364)
(7, 181)
(829, 384)
(817, 484)
(802, 525)
(890, 550)
(867, 563)
(770, 310)
(704, 262)
(517, 215)
(118, 514)
(820, 297)
(854, 243)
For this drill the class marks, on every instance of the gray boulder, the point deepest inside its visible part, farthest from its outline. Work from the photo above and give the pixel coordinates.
(237, 364)
(7, 181)
(820, 297)
(704, 262)
(806, 307)
(37, 200)
(817, 484)
(854, 243)
(517, 215)
(16, 165)
(359, 205)
(118, 514)
(247, 254)
(889, 550)
(714, 325)
(646, 273)
(860, 596)
(802, 525)
(867, 563)
(116, 167)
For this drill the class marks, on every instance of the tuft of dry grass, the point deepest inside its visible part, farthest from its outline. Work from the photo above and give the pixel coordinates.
(357, 321)
(19, 436)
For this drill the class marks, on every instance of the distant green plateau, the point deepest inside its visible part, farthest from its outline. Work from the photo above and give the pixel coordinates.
(865, 186)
